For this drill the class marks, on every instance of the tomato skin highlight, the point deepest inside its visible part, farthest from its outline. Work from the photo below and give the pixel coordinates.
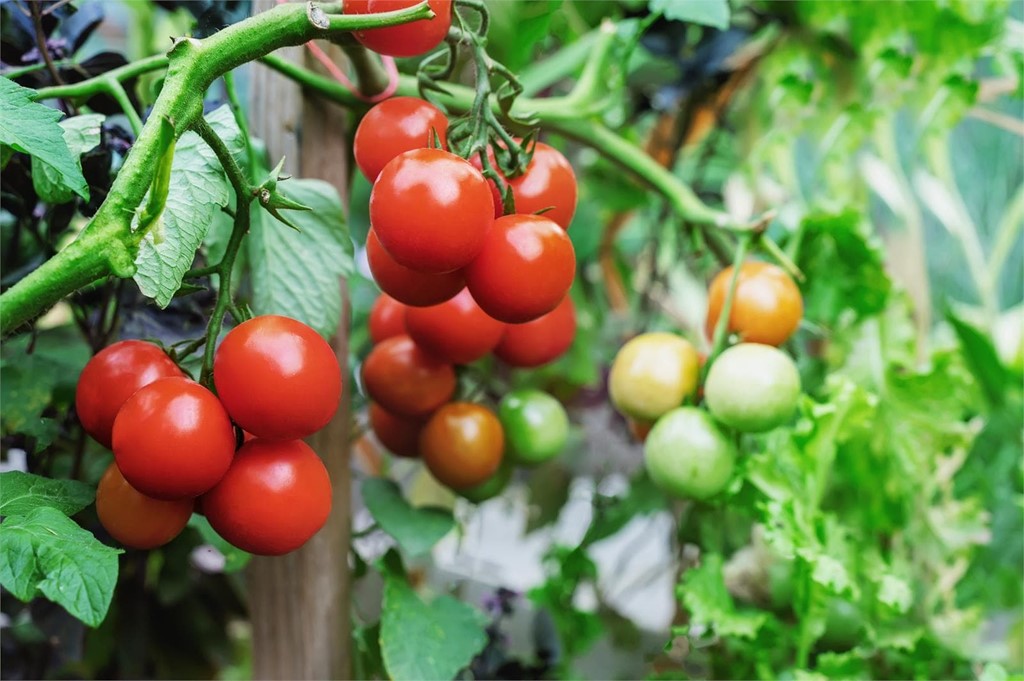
(405, 40)
(752, 387)
(173, 439)
(407, 286)
(135, 520)
(524, 270)
(394, 126)
(456, 331)
(113, 375)
(462, 445)
(767, 307)
(400, 435)
(431, 210)
(277, 378)
(549, 185)
(687, 455)
(387, 318)
(652, 374)
(540, 341)
(274, 498)
(405, 380)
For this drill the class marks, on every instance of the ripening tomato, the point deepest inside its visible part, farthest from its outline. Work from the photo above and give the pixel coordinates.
(457, 331)
(766, 308)
(462, 444)
(405, 380)
(752, 387)
(639, 429)
(405, 40)
(278, 378)
(111, 377)
(491, 487)
(396, 125)
(173, 439)
(134, 519)
(687, 455)
(399, 434)
(541, 341)
(653, 373)
(407, 286)
(387, 318)
(273, 499)
(431, 210)
(549, 185)
(524, 270)
(536, 426)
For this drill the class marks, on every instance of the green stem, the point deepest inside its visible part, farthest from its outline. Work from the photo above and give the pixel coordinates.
(117, 91)
(370, 75)
(722, 325)
(243, 125)
(1010, 226)
(88, 88)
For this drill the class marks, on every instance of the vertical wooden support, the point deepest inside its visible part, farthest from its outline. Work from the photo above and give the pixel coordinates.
(300, 603)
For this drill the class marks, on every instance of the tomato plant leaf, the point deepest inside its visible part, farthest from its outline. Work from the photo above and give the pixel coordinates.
(198, 190)
(415, 529)
(21, 493)
(432, 640)
(517, 27)
(32, 128)
(82, 134)
(703, 592)
(298, 273)
(234, 558)
(46, 552)
(705, 12)
(982, 358)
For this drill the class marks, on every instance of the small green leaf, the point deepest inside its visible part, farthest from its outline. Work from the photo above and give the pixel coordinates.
(234, 558)
(81, 133)
(21, 493)
(704, 594)
(46, 552)
(981, 357)
(705, 12)
(415, 529)
(432, 640)
(32, 128)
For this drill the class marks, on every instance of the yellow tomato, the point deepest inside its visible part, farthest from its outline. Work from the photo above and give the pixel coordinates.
(652, 374)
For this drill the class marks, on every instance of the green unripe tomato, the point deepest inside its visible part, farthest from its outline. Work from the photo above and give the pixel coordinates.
(752, 387)
(491, 487)
(536, 426)
(688, 455)
(651, 374)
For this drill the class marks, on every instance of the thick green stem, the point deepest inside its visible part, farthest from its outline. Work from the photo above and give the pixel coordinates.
(370, 75)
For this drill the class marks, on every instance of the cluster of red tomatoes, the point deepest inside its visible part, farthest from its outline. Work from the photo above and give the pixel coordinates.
(406, 40)
(177, 449)
(751, 387)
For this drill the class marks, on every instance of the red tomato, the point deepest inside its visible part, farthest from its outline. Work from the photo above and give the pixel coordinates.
(399, 434)
(278, 378)
(173, 439)
(387, 318)
(457, 331)
(405, 40)
(766, 308)
(396, 125)
(548, 183)
(543, 340)
(405, 380)
(431, 210)
(462, 444)
(524, 270)
(416, 289)
(134, 519)
(273, 499)
(111, 377)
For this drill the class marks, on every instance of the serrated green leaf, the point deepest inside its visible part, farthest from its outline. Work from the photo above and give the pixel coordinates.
(705, 12)
(415, 529)
(432, 640)
(198, 190)
(81, 133)
(46, 552)
(32, 128)
(21, 493)
(298, 273)
(706, 597)
(234, 558)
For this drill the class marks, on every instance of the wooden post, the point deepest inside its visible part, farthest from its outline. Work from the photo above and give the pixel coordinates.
(299, 604)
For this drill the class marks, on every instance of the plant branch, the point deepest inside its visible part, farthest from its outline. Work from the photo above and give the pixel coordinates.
(370, 75)
(117, 91)
(44, 51)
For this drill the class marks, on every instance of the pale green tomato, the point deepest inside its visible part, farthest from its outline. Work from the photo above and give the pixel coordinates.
(752, 387)
(688, 455)
(652, 374)
(536, 426)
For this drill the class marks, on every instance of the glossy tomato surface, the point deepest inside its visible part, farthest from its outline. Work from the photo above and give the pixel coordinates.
(456, 331)
(405, 380)
(524, 270)
(752, 387)
(409, 287)
(766, 308)
(687, 455)
(541, 341)
(405, 40)
(387, 318)
(431, 210)
(278, 378)
(134, 519)
(491, 487)
(536, 426)
(173, 439)
(400, 435)
(273, 499)
(462, 444)
(653, 373)
(394, 126)
(111, 377)
(549, 185)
